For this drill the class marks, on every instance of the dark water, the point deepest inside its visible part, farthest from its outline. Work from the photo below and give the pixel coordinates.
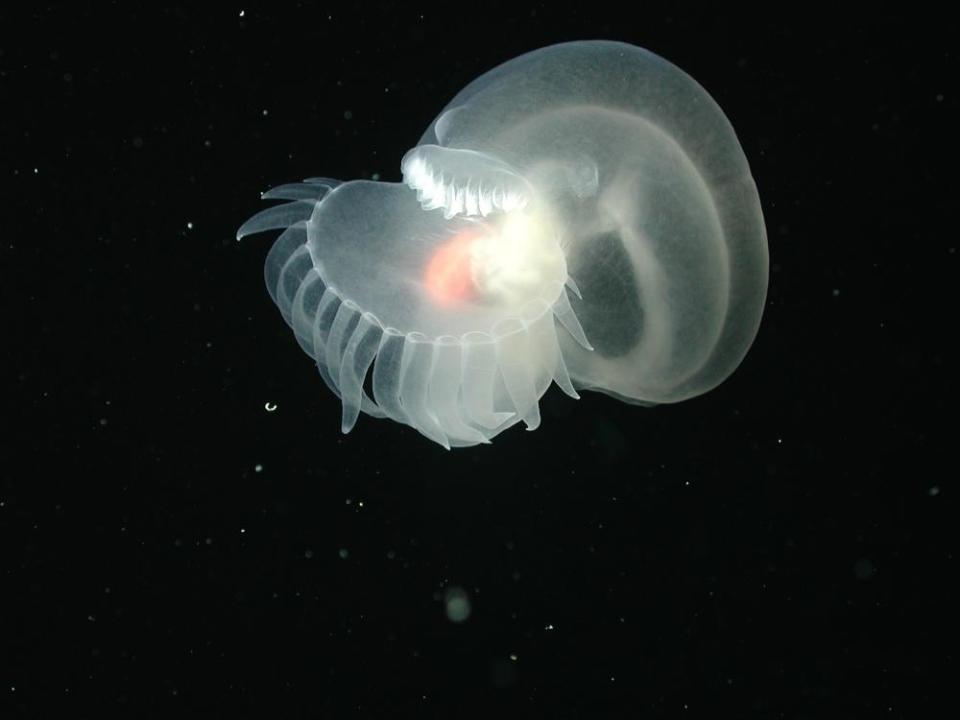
(776, 548)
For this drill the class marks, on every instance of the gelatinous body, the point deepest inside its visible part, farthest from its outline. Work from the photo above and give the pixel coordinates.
(582, 214)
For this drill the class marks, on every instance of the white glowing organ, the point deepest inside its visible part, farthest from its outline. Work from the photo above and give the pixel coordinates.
(582, 215)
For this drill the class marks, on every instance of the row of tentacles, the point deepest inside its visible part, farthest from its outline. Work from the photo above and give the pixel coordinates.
(455, 390)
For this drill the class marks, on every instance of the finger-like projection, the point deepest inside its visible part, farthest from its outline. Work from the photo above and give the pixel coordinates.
(582, 214)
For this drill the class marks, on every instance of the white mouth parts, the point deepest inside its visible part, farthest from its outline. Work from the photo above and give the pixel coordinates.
(463, 182)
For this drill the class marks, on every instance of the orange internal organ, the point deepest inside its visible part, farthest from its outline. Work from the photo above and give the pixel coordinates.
(449, 274)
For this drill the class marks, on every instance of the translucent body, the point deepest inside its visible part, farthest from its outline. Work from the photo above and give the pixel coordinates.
(582, 214)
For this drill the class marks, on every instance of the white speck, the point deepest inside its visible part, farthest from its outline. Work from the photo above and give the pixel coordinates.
(242, 13)
(548, 627)
(934, 491)
(189, 226)
(836, 292)
(779, 441)
(343, 553)
(375, 176)
(347, 115)
(269, 406)
(258, 468)
(360, 504)
(91, 618)
(457, 604)
(242, 530)
(36, 171)
(265, 112)
(513, 657)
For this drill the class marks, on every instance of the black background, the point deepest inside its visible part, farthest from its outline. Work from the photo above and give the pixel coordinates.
(776, 548)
